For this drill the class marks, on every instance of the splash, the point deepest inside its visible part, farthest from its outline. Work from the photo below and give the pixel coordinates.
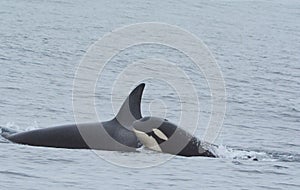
(237, 154)
(12, 126)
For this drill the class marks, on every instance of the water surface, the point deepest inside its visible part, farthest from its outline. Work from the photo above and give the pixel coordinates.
(256, 44)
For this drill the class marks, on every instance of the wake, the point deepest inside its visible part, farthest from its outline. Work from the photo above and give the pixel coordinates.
(239, 154)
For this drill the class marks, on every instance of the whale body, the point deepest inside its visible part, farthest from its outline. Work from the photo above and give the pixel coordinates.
(115, 134)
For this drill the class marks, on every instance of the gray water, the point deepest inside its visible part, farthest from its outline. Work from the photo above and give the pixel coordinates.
(256, 44)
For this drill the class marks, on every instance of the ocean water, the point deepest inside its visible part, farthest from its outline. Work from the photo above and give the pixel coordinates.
(255, 43)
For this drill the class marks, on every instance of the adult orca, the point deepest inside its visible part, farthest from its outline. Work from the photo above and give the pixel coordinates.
(115, 134)
(161, 135)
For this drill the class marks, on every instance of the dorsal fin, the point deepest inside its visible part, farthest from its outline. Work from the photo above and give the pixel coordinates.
(131, 108)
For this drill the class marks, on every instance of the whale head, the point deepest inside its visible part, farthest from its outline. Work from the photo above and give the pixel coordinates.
(161, 135)
(153, 131)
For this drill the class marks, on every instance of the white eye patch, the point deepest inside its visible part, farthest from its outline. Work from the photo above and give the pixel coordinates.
(147, 141)
(160, 134)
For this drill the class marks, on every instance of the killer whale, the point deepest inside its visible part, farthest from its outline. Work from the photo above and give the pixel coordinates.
(161, 135)
(115, 134)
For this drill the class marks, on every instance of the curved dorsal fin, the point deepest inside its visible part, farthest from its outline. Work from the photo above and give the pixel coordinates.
(131, 108)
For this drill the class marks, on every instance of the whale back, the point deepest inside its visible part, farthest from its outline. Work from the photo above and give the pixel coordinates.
(108, 135)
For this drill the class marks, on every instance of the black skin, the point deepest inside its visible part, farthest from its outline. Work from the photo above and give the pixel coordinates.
(190, 149)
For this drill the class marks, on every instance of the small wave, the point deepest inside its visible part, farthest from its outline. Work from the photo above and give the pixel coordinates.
(60, 160)
(17, 174)
(12, 88)
(289, 184)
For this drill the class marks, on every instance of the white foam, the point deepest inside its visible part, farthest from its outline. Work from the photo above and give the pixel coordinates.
(235, 154)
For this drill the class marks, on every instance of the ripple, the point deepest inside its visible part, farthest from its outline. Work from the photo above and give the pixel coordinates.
(289, 184)
(250, 171)
(18, 174)
(60, 160)
(280, 167)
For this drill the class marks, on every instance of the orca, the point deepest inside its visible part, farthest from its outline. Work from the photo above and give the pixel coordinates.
(161, 135)
(114, 135)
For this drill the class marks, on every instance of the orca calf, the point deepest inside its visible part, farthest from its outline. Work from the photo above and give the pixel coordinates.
(161, 135)
(115, 134)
